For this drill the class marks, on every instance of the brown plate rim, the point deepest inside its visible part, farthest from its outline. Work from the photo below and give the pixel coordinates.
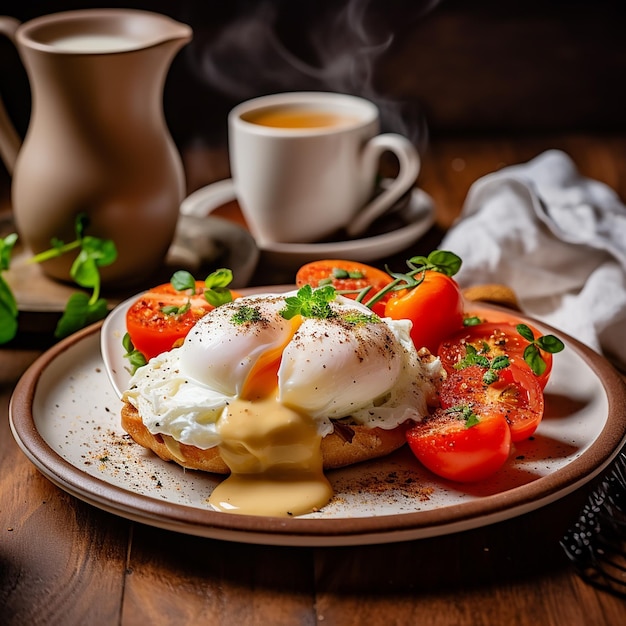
(336, 531)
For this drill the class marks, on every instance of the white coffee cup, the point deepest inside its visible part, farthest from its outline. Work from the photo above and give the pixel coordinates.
(305, 164)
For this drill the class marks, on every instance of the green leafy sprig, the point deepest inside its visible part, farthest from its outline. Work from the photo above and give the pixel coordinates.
(464, 413)
(246, 314)
(338, 273)
(135, 358)
(310, 302)
(81, 309)
(532, 352)
(479, 358)
(442, 261)
(216, 290)
(8, 304)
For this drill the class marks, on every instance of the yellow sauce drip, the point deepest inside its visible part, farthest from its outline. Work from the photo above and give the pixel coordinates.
(273, 451)
(275, 460)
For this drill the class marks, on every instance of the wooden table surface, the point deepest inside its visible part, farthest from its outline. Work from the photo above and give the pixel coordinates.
(65, 562)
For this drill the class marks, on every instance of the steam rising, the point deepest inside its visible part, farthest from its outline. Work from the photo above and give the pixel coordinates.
(338, 51)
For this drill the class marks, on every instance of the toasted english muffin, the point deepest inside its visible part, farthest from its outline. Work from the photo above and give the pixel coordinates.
(346, 445)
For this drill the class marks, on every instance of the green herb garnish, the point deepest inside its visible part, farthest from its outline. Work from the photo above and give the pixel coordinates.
(310, 303)
(356, 318)
(532, 354)
(246, 314)
(465, 413)
(472, 321)
(135, 358)
(442, 261)
(216, 290)
(479, 358)
(93, 254)
(342, 274)
(8, 304)
(215, 287)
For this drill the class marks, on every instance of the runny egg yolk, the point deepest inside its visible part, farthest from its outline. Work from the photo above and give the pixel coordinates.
(273, 451)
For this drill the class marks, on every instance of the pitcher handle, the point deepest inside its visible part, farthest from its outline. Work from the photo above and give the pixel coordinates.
(10, 141)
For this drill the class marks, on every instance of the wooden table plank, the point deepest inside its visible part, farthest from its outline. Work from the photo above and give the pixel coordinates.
(61, 561)
(179, 579)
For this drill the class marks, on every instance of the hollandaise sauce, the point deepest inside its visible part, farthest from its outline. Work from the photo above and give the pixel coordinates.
(272, 450)
(275, 460)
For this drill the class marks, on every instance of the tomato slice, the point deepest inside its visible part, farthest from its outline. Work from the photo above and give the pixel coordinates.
(491, 340)
(435, 307)
(516, 394)
(153, 329)
(448, 446)
(346, 276)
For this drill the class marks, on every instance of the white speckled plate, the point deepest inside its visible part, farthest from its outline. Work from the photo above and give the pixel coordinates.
(65, 416)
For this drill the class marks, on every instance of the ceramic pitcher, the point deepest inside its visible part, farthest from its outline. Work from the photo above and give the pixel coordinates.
(97, 141)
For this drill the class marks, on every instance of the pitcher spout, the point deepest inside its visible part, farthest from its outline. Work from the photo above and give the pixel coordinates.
(163, 30)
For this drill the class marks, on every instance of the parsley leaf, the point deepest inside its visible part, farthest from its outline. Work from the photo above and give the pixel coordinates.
(80, 311)
(135, 358)
(464, 413)
(492, 366)
(532, 352)
(356, 318)
(182, 280)
(310, 303)
(93, 253)
(246, 314)
(216, 290)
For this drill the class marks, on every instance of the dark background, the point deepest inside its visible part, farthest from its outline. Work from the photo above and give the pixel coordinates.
(436, 68)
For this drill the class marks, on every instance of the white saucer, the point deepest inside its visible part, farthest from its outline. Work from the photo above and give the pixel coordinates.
(202, 244)
(417, 217)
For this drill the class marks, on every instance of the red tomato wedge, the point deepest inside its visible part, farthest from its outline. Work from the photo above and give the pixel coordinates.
(516, 394)
(451, 448)
(435, 307)
(153, 329)
(343, 275)
(491, 340)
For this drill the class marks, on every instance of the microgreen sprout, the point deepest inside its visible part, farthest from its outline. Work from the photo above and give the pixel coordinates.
(135, 358)
(478, 357)
(8, 305)
(356, 318)
(442, 261)
(472, 320)
(246, 314)
(310, 302)
(215, 289)
(81, 308)
(532, 352)
(464, 413)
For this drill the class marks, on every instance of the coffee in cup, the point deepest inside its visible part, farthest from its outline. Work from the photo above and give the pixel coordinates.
(305, 165)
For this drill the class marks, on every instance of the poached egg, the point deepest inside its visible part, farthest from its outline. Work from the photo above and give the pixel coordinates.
(266, 390)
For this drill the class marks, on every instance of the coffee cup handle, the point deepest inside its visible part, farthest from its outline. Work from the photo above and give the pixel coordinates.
(206, 199)
(409, 167)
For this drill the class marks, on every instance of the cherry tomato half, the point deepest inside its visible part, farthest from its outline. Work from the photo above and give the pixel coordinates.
(435, 307)
(153, 329)
(450, 447)
(491, 340)
(516, 394)
(346, 275)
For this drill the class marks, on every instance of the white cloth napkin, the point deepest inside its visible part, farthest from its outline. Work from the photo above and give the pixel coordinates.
(557, 239)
